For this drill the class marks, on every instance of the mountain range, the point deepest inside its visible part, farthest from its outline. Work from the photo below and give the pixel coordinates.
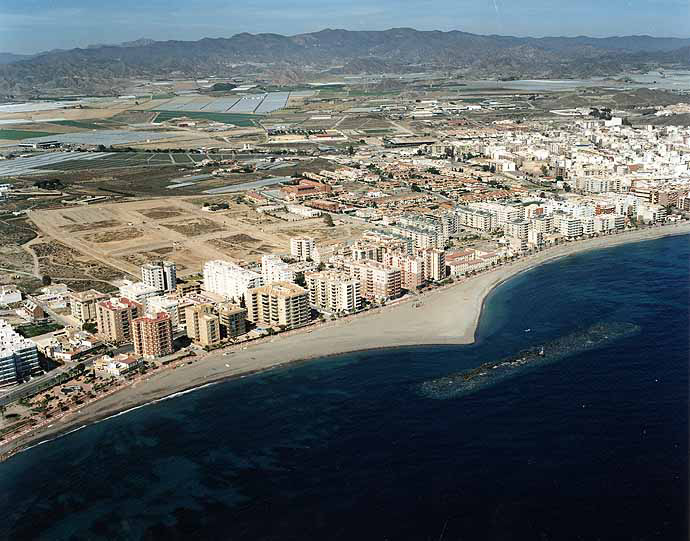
(106, 68)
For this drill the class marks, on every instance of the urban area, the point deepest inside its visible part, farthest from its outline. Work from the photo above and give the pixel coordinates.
(132, 250)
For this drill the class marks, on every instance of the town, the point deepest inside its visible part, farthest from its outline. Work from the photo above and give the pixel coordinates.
(382, 222)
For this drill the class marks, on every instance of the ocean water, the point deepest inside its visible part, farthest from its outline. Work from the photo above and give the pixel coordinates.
(594, 446)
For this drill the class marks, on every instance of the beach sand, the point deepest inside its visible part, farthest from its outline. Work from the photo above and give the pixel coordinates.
(447, 315)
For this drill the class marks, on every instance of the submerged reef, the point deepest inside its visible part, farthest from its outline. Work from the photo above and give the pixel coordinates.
(493, 372)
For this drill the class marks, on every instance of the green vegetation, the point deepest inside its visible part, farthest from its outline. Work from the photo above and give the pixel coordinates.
(79, 124)
(22, 134)
(237, 119)
(28, 331)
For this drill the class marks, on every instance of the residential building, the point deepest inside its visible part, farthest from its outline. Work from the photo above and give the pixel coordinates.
(83, 304)
(170, 304)
(138, 291)
(203, 326)
(434, 263)
(18, 356)
(185, 288)
(160, 274)
(152, 336)
(114, 318)
(333, 291)
(278, 304)
(274, 269)
(9, 294)
(475, 218)
(377, 281)
(412, 271)
(233, 320)
(302, 248)
(570, 227)
(229, 279)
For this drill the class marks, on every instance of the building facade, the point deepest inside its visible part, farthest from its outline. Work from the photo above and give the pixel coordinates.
(160, 274)
(203, 326)
(279, 304)
(333, 291)
(18, 356)
(152, 336)
(83, 304)
(302, 248)
(229, 279)
(114, 319)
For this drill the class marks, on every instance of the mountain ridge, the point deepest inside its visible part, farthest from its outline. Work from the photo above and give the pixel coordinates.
(268, 54)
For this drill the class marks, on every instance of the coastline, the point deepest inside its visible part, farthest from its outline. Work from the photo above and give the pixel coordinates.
(447, 315)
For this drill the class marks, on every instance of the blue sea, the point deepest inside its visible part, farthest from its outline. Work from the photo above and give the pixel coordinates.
(594, 446)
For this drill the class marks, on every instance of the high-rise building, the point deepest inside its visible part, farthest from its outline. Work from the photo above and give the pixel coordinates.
(160, 274)
(377, 281)
(83, 304)
(229, 279)
(18, 356)
(138, 291)
(412, 269)
(185, 288)
(302, 248)
(434, 263)
(278, 304)
(233, 320)
(152, 336)
(203, 326)
(170, 304)
(274, 269)
(114, 318)
(333, 291)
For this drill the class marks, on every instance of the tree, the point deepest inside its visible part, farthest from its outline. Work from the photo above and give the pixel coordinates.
(46, 280)
(415, 188)
(328, 220)
(351, 150)
(544, 170)
(567, 187)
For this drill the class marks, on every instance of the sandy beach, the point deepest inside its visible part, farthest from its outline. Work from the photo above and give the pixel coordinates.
(447, 315)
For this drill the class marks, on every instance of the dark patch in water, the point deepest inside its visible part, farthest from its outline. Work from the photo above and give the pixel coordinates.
(494, 372)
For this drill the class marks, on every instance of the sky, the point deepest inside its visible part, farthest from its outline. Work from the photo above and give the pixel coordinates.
(29, 26)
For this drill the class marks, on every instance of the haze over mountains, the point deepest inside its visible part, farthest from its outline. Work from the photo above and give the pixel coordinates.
(105, 68)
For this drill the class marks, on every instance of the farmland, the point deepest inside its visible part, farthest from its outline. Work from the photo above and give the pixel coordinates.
(16, 135)
(243, 120)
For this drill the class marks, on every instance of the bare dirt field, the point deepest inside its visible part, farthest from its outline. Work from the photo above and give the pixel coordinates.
(195, 227)
(177, 229)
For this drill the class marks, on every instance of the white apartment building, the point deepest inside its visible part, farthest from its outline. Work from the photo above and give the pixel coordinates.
(18, 356)
(422, 237)
(434, 263)
(9, 294)
(502, 213)
(517, 229)
(570, 227)
(160, 274)
(164, 303)
(608, 222)
(274, 269)
(138, 291)
(475, 218)
(333, 291)
(229, 279)
(302, 248)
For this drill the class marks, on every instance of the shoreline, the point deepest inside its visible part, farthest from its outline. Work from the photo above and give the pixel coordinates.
(447, 315)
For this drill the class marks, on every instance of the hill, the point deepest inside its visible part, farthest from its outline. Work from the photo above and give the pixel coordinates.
(106, 67)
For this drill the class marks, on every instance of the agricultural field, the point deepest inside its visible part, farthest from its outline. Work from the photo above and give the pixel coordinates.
(243, 120)
(16, 135)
